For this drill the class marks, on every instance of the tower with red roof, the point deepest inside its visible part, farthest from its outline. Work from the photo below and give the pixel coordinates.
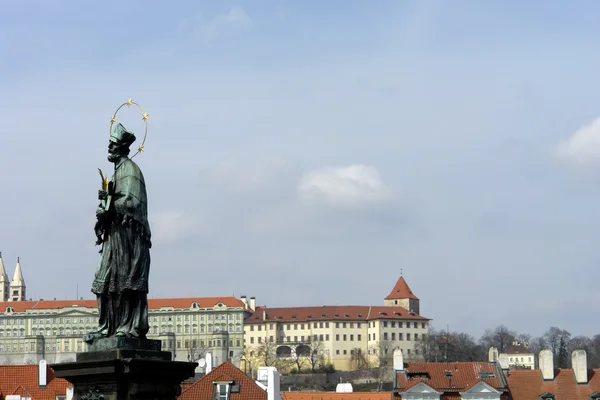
(402, 296)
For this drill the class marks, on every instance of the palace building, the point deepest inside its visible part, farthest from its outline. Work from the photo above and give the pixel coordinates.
(349, 337)
(53, 329)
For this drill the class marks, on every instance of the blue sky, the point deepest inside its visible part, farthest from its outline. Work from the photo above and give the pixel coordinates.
(306, 152)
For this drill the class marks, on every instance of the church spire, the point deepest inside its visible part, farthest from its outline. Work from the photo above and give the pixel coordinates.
(17, 286)
(4, 282)
(18, 276)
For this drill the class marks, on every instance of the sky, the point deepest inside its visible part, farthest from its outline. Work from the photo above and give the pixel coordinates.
(308, 153)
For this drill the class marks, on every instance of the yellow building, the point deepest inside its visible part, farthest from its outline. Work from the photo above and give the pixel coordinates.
(188, 327)
(519, 356)
(349, 337)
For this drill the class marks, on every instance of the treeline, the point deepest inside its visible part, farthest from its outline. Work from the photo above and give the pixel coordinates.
(458, 346)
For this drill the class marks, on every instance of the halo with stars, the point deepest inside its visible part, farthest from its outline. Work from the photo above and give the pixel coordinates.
(113, 119)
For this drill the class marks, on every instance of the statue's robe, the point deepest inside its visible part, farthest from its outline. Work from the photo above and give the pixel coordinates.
(121, 280)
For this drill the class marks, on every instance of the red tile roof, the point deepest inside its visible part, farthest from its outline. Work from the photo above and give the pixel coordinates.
(336, 396)
(330, 313)
(529, 385)
(449, 377)
(153, 304)
(401, 291)
(518, 350)
(203, 388)
(23, 380)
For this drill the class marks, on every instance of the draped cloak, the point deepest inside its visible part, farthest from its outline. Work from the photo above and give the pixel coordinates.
(121, 279)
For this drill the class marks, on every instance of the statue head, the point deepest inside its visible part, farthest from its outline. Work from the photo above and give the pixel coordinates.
(118, 145)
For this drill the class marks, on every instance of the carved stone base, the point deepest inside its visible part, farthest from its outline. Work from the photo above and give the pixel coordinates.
(121, 374)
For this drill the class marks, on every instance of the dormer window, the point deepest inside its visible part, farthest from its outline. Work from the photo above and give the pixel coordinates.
(222, 389)
(595, 396)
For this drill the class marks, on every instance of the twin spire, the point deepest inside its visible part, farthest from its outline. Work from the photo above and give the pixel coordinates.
(15, 290)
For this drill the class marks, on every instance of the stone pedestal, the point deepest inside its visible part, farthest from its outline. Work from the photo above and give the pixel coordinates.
(120, 369)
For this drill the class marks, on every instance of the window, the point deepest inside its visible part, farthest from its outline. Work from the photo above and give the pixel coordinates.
(344, 338)
(252, 328)
(415, 325)
(221, 391)
(326, 324)
(393, 335)
(301, 326)
(251, 340)
(351, 324)
(270, 326)
(416, 336)
(320, 324)
(343, 324)
(259, 340)
(399, 324)
(408, 336)
(385, 336)
(400, 336)
(336, 352)
(385, 324)
(393, 324)
(345, 352)
(337, 337)
(337, 324)
(423, 325)
(358, 337)
(295, 327)
(260, 327)
(315, 325)
(351, 338)
(326, 337)
(358, 324)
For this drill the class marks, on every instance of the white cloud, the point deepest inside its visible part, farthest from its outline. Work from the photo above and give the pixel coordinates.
(354, 185)
(169, 226)
(235, 21)
(583, 146)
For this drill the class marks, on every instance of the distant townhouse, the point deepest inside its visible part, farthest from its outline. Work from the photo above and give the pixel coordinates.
(519, 356)
(349, 337)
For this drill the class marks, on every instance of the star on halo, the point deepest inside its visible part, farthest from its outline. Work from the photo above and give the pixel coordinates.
(145, 116)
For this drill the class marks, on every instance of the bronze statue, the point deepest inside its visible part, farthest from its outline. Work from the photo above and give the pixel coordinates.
(122, 229)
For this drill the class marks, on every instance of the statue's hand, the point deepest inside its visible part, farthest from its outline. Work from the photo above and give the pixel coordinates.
(102, 194)
(100, 213)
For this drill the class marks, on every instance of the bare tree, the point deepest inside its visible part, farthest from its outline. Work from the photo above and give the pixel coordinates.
(358, 359)
(500, 337)
(315, 358)
(382, 351)
(552, 339)
(196, 350)
(300, 356)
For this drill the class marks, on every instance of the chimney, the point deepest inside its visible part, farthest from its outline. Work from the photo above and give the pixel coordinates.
(547, 365)
(579, 363)
(253, 303)
(269, 377)
(243, 298)
(493, 354)
(42, 373)
(503, 360)
(398, 360)
(208, 358)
